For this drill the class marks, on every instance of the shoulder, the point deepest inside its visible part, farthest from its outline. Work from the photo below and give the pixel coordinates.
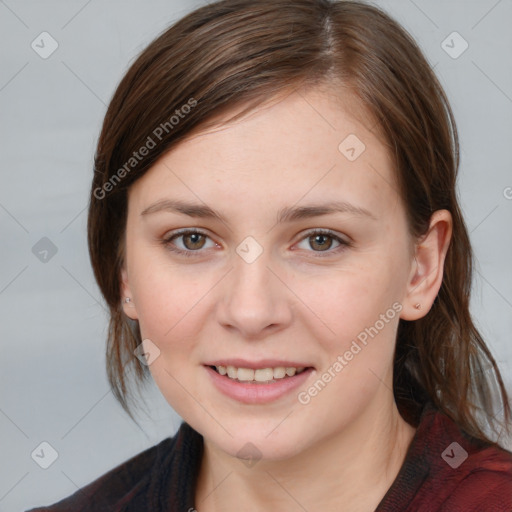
(483, 481)
(120, 485)
(461, 473)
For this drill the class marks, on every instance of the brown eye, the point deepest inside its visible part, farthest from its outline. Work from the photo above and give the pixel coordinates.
(188, 243)
(320, 242)
(193, 241)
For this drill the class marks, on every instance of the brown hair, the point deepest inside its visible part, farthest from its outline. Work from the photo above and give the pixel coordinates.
(243, 52)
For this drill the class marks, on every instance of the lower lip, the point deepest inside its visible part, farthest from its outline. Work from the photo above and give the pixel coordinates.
(252, 393)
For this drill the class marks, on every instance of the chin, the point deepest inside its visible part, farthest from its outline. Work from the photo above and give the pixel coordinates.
(258, 441)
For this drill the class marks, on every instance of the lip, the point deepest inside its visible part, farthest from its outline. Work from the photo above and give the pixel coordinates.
(254, 365)
(256, 393)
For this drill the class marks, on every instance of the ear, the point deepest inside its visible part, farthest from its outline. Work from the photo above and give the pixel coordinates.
(427, 269)
(128, 307)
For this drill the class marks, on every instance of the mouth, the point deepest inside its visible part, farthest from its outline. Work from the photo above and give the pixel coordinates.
(267, 375)
(259, 382)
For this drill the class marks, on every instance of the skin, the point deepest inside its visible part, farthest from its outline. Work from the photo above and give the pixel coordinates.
(295, 301)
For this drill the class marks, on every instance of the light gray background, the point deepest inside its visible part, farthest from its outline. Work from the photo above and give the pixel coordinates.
(53, 384)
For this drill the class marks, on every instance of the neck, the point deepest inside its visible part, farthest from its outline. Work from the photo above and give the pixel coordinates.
(355, 468)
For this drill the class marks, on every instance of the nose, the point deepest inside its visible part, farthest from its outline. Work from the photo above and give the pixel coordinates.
(256, 302)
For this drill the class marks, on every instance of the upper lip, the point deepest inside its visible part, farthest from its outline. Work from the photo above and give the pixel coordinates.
(254, 365)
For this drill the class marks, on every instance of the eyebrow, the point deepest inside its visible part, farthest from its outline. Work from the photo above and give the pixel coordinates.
(287, 214)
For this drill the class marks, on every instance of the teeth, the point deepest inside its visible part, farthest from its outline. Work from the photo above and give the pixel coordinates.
(259, 375)
(245, 374)
(279, 372)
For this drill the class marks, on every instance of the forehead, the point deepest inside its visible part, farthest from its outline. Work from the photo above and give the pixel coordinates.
(307, 146)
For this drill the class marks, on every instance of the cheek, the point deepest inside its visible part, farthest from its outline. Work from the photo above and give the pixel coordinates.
(171, 311)
(336, 303)
(342, 303)
(171, 314)
(354, 327)
(166, 293)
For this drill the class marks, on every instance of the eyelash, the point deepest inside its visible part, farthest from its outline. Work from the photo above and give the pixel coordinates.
(167, 242)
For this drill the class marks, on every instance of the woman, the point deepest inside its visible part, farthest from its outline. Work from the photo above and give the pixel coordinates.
(274, 226)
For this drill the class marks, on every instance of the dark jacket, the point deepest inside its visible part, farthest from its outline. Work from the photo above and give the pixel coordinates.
(444, 470)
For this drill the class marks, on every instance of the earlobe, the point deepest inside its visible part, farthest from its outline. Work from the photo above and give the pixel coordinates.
(426, 274)
(126, 297)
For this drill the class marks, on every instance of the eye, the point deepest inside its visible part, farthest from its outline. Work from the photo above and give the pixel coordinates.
(190, 242)
(323, 240)
(187, 242)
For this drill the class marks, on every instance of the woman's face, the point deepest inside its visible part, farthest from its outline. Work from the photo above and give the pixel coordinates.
(257, 282)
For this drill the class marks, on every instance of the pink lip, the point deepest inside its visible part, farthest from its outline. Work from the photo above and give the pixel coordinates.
(254, 365)
(255, 393)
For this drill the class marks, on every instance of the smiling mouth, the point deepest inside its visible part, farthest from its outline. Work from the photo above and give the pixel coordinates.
(260, 375)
